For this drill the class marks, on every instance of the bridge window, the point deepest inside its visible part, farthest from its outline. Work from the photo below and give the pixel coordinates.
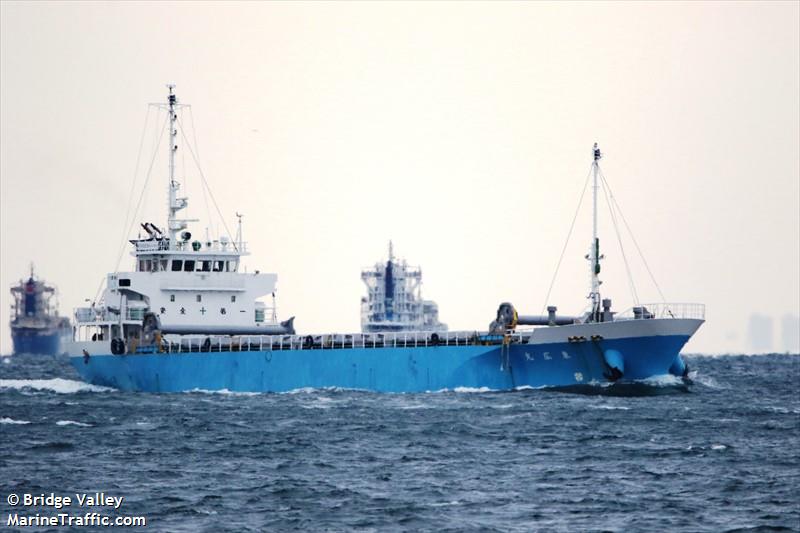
(188, 265)
(177, 265)
(124, 282)
(206, 266)
(218, 266)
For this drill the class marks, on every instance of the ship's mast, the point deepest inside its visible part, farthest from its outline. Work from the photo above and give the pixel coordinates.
(174, 225)
(594, 252)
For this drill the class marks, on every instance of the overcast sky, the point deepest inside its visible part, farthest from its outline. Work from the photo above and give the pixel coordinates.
(462, 132)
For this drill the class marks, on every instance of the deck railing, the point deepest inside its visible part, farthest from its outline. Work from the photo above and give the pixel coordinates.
(245, 343)
(90, 316)
(664, 310)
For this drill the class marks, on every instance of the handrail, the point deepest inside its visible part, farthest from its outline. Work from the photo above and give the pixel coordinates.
(418, 339)
(664, 310)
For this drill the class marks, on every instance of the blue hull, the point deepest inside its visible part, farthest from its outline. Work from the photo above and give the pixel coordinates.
(36, 343)
(391, 369)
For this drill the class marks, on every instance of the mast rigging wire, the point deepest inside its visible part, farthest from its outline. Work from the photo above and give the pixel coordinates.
(130, 199)
(569, 234)
(638, 249)
(202, 189)
(205, 182)
(631, 284)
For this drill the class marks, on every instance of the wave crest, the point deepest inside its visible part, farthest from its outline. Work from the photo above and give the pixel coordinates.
(72, 423)
(7, 420)
(57, 385)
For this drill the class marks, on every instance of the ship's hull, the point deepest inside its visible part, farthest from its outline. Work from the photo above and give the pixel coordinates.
(35, 341)
(556, 363)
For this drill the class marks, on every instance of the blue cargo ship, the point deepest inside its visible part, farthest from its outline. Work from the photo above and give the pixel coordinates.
(36, 327)
(187, 318)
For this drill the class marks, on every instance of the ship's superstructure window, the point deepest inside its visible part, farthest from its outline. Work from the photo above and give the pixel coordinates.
(164, 264)
(188, 265)
(233, 298)
(217, 266)
(206, 266)
(199, 297)
(177, 265)
(124, 282)
(171, 297)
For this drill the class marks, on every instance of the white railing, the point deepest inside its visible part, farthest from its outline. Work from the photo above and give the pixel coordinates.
(215, 246)
(664, 310)
(221, 343)
(87, 316)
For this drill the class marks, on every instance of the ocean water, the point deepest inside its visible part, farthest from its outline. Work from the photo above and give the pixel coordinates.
(721, 454)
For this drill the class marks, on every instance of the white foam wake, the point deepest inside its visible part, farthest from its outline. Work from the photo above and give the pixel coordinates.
(59, 385)
(664, 380)
(72, 423)
(472, 389)
(6, 420)
(225, 392)
(316, 390)
(608, 407)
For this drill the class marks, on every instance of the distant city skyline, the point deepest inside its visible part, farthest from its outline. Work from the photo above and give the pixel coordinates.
(790, 333)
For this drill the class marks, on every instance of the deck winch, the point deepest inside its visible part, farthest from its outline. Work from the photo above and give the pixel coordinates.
(508, 319)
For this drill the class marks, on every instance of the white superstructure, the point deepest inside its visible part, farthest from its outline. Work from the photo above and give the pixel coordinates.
(179, 284)
(394, 299)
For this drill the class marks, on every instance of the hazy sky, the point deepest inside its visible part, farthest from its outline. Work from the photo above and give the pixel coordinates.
(461, 131)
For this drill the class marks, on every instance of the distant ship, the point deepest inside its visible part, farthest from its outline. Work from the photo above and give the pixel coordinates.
(394, 300)
(187, 318)
(36, 327)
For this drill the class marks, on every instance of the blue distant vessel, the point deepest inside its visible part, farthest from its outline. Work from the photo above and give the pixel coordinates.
(36, 327)
(188, 318)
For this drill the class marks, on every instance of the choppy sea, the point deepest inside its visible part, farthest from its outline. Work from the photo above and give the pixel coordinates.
(721, 454)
